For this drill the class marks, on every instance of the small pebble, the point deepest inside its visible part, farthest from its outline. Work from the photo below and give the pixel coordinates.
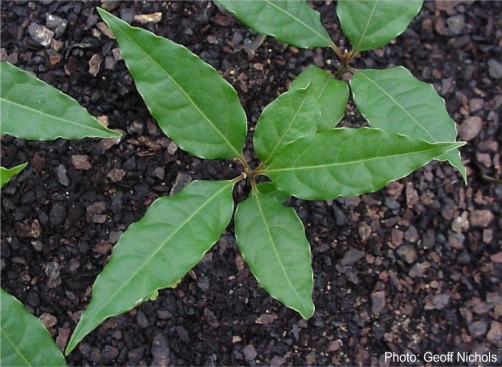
(160, 350)
(109, 353)
(250, 352)
(105, 30)
(127, 15)
(470, 128)
(377, 301)
(266, 319)
(478, 328)
(407, 253)
(48, 320)
(142, 320)
(481, 218)
(203, 283)
(56, 23)
(476, 104)
(33, 299)
(411, 234)
(57, 214)
(496, 258)
(495, 333)
(364, 231)
(183, 333)
(148, 18)
(40, 34)
(81, 162)
(62, 338)
(440, 301)
(418, 270)
(455, 24)
(351, 257)
(109, 63)
(95, 64)
(495, 69)
(116, 174)
(110, 5)
(277, 361)
(61, 175)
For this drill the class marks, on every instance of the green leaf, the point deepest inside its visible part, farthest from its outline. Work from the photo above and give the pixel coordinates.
(25, 340)
(7, 173)
(331, 94)
(291, 22)
(372, 24)
(349, 162)
(289, 117)
(32, 109)
(158, 250)
(268, 188)
(272, 241)
(394, 100)
(192, 103)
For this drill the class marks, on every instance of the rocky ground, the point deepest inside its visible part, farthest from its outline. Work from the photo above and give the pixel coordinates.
(413, 268)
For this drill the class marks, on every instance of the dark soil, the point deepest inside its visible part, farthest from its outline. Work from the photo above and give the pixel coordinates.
(413, 268)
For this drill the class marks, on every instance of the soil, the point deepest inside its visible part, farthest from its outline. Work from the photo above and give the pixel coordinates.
(414, 268)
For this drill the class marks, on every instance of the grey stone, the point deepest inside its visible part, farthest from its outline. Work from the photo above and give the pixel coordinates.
(407, 253)
(495, 69)
(57, 214)
(478, 328)
(351, 257)
(40, 34)
(455, 24)
(250, 352)
(61, 175)
(160, 350)
(470, 128)
(127, 15)
(495, 333)
(142, 319)
(56, 23)
(481, 218)
(377, 301)
(440, 301)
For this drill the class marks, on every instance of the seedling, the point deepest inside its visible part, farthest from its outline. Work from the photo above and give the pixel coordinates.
(302, 152)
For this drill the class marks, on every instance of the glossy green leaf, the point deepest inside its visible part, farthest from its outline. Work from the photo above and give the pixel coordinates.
(349, 162)
(372, 24)
(289, 117)
(32, 109)
(268, 188)
(192, 103)
(7, 173)
(394, 100)
(272, 241)
(291, 22)
(331, 94)
(25, 340)
(158, 250)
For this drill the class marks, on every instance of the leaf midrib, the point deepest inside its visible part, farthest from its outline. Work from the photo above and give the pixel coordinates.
(6, 337)
(299, 21)
(399, 105)
(360, 161)
(281, 138)
(363, 34)
(163, 244)
(274, 246)
(33, 110)
(208, 120)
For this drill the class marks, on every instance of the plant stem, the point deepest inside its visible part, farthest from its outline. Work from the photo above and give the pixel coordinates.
(338, 53)
(239, 178)
(253, 184)
(245, 164)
